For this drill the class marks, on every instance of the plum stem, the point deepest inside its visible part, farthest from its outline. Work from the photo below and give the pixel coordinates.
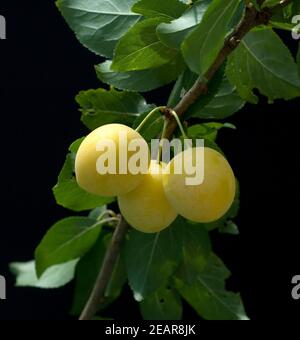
(148, 117)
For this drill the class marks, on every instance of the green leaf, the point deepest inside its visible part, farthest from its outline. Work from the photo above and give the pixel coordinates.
(141, 49)
(151, 259)
(75, 146)
(223, 104)
(100, 107)
(67, 240)
(270, 3)
(184, 82)
(87, 272)
(141, 81)
(168, 9)
(221, 101)
(100, 24)
(54, 277)
(263, 62)
(207, 294)
(298, 60)
(283, 19)
(172, 34)
(230, 228)
(95, 213)
(153, 128)
(202, 46)
(207, 130)
(196, 248)
(164, 304)
(69, 195)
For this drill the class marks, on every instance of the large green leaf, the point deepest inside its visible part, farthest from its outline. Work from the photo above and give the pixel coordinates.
(205, 291)
(67, 240)
(202, 46)
(54, 277)
(100, 107)
(151, 259)
(169, 9)
(263, 62)
(172, 34)
(141, 49)
(67, 192)
(100, 24)
(164, 304)
(87, 272)
(141, 81)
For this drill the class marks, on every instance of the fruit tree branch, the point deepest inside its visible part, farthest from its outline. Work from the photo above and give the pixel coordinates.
(98, 295)
(251, 19)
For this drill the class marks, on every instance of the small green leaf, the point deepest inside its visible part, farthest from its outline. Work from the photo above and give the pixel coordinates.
(100, 107)
(207, 130)
(230, 228)
(151, 259)
(253, 66)
(141, 81)
(67, 240)
(207, 294)
(87, 272)
(164, 304)
(54, 277)
(172, 34)
(100, 24)
(202, 46)
(169, 9)
(141, 49)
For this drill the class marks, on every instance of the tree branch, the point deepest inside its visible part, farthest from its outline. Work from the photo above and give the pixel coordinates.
(251, 19)
(98, 295)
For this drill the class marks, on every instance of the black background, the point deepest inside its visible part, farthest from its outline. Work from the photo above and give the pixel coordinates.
(42, 68)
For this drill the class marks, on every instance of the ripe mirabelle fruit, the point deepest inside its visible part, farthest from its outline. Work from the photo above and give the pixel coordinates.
(110, 184)
(206, 202)
(146, 208)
